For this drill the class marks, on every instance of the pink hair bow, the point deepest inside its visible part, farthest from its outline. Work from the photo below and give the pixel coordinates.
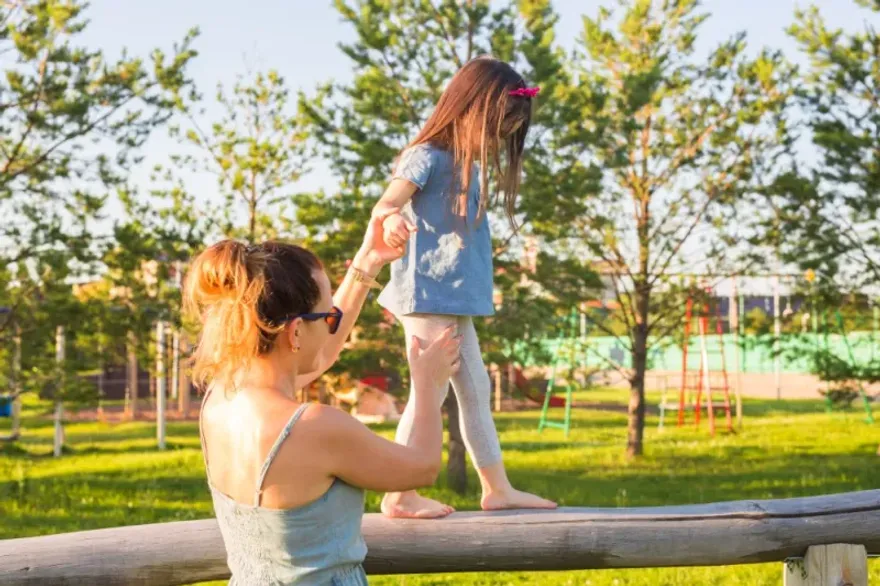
(525, 92)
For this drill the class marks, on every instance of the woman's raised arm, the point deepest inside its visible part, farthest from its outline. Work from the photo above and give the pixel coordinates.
(352, 292)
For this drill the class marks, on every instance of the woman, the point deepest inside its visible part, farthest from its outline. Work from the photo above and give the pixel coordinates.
(286, 478)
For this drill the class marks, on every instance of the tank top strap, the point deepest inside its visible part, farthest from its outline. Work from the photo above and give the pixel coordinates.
(274, 451)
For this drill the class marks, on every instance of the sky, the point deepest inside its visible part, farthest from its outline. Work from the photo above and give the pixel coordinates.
(299, 39)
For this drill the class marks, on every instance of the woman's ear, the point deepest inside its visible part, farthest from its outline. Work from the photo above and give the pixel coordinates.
(293, 334)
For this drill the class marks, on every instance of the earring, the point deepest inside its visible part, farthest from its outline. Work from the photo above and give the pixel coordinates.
(295, 347)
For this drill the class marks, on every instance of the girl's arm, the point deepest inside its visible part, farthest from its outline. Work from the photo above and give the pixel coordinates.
(411, 174)
(397, 195)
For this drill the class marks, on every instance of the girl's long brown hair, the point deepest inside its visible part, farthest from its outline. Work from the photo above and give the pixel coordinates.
(477, 118)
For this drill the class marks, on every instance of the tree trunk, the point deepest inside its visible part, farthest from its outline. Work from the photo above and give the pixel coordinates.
(456, 465)
(642, 299)
(252, 221)
(636, 428)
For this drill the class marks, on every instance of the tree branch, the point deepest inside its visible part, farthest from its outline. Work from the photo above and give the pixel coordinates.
(30, 126)
(453, 53)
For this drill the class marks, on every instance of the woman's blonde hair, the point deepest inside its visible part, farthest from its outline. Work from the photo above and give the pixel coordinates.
(243, 296)
(477, 103)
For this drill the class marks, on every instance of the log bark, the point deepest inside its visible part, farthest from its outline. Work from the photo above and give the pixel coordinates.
(170, 554)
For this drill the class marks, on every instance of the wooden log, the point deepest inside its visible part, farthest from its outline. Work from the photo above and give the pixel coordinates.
(744, 532)
(829, 565)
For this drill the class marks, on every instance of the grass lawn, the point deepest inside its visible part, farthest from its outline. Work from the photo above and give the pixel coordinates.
(112, 475)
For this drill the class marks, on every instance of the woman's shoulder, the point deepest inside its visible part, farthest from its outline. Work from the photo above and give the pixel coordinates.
(323, 428)
(317, 417)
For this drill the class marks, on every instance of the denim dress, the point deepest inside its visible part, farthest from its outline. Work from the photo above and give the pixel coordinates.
(447, 265)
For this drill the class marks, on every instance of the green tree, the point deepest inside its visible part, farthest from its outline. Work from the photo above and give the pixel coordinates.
(828, 206)
(152, 240)
(828, 209)
(404, 54)
(71, 126)
(678, 142)
(256, 150)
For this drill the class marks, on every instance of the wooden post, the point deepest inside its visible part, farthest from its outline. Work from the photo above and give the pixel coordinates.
(734, 327)
(161, 384)
(183, 397)
(16, 384)
(777, 335)
(829, 565)
(496, 373)
(175, 338)
(705, 384)
(511, 378)
(58, 441)
(101, 381)
(132, 368)
(175, 363)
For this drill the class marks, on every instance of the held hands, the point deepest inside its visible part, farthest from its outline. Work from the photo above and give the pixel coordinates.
(396, 230)
(375, 249)
(432, 366)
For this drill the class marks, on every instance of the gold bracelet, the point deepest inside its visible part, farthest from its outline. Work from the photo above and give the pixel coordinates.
(363, 278)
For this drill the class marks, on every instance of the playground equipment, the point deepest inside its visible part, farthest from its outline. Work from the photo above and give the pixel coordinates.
(570, 351)
(704, 380)
(531, 391)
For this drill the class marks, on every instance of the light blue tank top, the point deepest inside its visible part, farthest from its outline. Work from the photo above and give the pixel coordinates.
(317, 544)
(447, 266)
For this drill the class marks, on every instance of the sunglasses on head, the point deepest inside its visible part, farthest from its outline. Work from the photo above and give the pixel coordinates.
(333, 318)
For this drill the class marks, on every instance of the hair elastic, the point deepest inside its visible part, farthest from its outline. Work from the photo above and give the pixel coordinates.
(524, 92)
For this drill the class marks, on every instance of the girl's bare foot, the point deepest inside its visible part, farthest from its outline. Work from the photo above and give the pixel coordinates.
(514, 499)
(411, 505)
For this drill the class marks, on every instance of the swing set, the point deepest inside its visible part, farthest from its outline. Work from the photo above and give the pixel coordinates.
(570, 354)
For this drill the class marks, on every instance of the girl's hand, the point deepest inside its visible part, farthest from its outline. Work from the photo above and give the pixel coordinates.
(396, 230)
(432, 366)
(375, 253)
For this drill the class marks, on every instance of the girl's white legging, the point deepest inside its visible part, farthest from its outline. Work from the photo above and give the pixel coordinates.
(471, 385)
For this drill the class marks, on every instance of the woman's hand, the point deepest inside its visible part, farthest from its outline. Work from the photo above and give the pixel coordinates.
(432, 366)
(375, 253)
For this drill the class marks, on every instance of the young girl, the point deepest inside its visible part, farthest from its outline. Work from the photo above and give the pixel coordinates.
(441, 183)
